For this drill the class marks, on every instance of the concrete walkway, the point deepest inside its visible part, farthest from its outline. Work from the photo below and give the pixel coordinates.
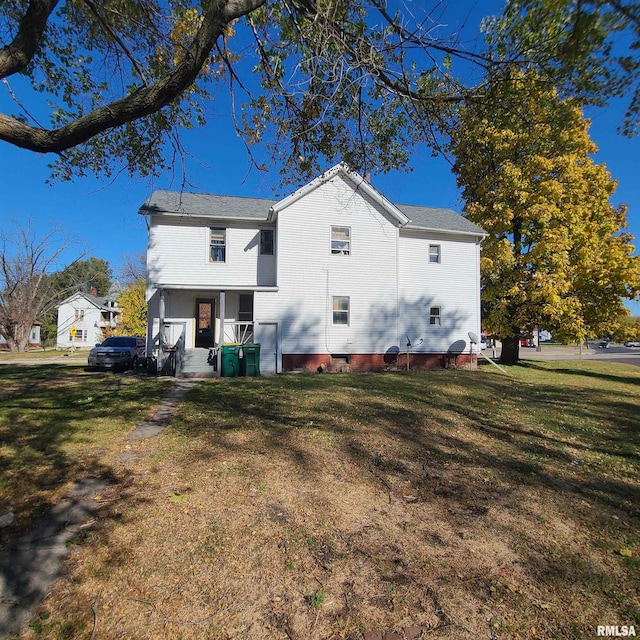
(33, 563)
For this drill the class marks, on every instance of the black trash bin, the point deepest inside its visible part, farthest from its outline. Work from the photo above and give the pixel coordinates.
(250, 360)
(152, 366)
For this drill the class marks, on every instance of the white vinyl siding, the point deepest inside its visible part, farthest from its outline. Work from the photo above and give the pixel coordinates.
(179, 254)
(309, 276)
(88, 327)
(455, 290)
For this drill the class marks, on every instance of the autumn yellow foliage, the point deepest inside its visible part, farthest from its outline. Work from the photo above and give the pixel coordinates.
(557, 255)
(133, 303)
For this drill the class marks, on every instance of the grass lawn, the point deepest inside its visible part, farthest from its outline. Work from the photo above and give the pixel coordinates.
(58, 424)
(45, 354)
(452, 504)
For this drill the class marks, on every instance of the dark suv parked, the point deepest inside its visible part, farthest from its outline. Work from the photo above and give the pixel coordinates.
(118, 352)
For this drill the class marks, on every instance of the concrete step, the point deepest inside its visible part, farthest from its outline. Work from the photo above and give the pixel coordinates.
(195, 364)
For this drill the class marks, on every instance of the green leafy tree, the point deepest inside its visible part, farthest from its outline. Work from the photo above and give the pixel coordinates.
(589, 49)
(88, 276)
(102, 84)
(557, 254)
(628, 328)
(133, 303)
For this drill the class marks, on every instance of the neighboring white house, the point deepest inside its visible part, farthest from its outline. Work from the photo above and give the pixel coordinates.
(34, 338)
(333, 276)
(82, 318)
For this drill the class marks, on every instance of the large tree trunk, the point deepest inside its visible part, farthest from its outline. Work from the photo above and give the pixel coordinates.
(510, 353)
(14, 345)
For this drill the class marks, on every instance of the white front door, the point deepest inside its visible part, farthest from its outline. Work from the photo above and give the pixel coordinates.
(267, 336)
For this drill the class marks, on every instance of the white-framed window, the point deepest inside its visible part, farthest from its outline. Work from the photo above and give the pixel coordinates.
(217, 244)
(435, 316)
(266, 242)
(341, 240)
(81, 336)
(434, 253)
(245, 307)
(79, 314)
(341, 310)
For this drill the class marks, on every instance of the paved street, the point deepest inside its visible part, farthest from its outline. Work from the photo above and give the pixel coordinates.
(615, 353)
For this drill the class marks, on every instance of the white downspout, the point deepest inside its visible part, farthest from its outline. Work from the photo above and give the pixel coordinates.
(161, 317)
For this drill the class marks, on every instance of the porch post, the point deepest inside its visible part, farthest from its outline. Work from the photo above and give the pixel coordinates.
(221, 336)
(161, 314)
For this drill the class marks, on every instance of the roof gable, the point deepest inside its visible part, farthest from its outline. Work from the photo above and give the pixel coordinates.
(95, 301)
(214, 207)
(358, 182)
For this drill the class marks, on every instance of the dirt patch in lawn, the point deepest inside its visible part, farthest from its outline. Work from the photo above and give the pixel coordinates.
(453, 505)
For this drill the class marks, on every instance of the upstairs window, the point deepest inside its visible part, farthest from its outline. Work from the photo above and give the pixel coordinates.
(266, 242)
(341, 240)
(217, 245)
(434, 316)
(79, 315)
(434, 253)
(341, 310)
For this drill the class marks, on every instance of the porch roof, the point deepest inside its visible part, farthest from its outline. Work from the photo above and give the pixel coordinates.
(217, 287)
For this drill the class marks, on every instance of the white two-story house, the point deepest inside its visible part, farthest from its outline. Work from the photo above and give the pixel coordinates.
(332, 276)
(83, 319)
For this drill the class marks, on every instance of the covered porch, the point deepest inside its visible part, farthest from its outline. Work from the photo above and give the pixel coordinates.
(188, 327)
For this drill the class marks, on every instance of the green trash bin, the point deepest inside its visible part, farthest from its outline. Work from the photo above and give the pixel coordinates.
(230, 362)
(250, 361)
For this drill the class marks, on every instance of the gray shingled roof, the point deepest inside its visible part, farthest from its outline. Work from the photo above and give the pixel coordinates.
(236, 207)
(437, 219)
(98, 301)
(207, 206)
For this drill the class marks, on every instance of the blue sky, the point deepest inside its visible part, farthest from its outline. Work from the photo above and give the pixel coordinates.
(103, 215)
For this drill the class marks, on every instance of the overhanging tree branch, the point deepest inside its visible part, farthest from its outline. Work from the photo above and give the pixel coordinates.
(217, 14)
(20, 52)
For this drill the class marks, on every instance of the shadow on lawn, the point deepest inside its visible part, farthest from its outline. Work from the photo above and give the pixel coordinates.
(55, 421)
(500, 460)
(459, 426)
(572, 371)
